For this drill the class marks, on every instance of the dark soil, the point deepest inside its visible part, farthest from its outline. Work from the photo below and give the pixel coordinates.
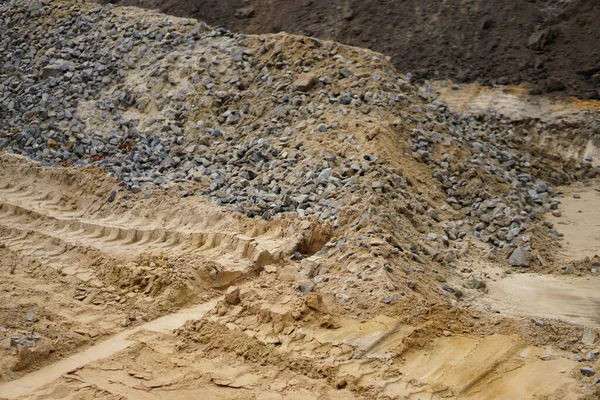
(552, 44)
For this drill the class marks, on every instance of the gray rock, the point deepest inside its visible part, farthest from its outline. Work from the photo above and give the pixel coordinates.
(391, 299)
(324, 176)
(588, 371)
(31, 316)
(306, 286)
(52, 70)
(589, 337)
(477, 282)
(342, 298)
(446, 286)
(520, 257)
(537, 322)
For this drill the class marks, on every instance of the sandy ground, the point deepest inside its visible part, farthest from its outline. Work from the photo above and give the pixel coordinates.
(170, 331)
(580, 220)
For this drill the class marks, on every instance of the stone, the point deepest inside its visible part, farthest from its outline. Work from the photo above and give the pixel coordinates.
(31, 316)
(51, 70)
(304, 82)
(245, 12)
(589, 337)
(477, 282)
(297, 256)
(324, 176)
(446, 286)
(587, 371)
(315, 302)
(540, 39)
(538, 322)
(342, 298)
(232, 295)
(281, 314)
(306, 286)
(520, 257)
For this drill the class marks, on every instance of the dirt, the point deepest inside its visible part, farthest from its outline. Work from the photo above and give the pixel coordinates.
(549, 44)
(147, 316)
(111, 294)
(578, 220)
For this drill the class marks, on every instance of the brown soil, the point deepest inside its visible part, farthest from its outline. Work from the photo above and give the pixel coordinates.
(487, 41)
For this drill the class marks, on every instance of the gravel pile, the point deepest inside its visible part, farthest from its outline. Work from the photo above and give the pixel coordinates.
(266, 125)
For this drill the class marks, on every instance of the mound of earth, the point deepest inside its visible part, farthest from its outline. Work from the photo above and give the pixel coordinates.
(188, 210)
(550, 44)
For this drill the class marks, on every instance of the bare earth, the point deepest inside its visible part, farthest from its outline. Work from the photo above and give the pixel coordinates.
(109, 293)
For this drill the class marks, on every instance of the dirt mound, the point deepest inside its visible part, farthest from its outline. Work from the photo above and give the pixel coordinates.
(551, 44)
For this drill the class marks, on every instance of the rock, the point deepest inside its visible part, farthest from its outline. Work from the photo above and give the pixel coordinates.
(342, 298)
(391, 299)
(557, 213)
(324, 176)
(589, 337)
(306, 286)
(232, 295)
(297, 256)
(304, 82)
(520, 257)
(588, 371)
(51, 70)
(446, 286)
(31, 316)
(244, 12)
(346, 99)
(537, 322)
(576, 196)
(540, 39)
(477, 282)
(314, 301)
